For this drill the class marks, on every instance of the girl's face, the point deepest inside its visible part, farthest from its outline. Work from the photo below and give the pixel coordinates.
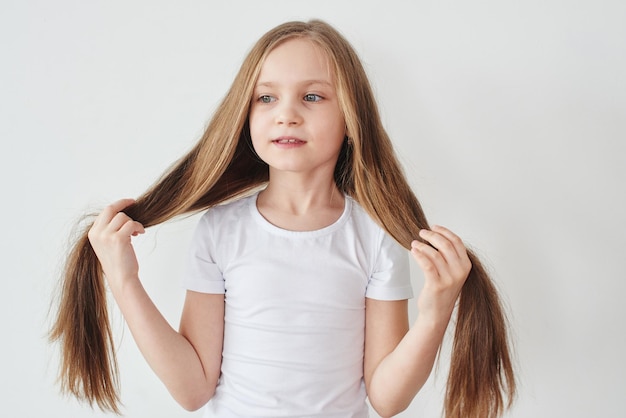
(296, 124)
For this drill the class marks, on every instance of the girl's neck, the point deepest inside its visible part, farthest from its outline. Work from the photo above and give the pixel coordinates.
(300, 206)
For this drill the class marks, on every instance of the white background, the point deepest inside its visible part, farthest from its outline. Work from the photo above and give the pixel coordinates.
(509, 116)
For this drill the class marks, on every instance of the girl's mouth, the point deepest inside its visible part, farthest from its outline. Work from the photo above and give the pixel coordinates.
(288, 141)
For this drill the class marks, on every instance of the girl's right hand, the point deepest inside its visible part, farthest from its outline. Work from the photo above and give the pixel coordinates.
(110, 236)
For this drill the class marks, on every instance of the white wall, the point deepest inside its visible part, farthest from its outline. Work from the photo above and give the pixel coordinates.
(509, 116)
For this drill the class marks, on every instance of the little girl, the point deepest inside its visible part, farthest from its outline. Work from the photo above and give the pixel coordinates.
(298, 276)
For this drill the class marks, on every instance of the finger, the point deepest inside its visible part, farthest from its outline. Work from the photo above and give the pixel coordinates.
(111, 210)
(118, 221)
(445, 247)
(462, 263)
(425, 263)
(131, 228)
(453, 238)
(429, 259)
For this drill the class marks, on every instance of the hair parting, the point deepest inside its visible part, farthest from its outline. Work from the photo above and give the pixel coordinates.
(223, 166)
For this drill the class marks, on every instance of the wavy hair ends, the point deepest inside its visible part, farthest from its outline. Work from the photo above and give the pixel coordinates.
(223, 166)
(88, 368)
(481, 382)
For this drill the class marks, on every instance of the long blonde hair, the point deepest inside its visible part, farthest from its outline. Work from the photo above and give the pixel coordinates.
(223, 166)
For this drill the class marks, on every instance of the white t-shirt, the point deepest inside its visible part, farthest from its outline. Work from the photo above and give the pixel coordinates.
(295, 308)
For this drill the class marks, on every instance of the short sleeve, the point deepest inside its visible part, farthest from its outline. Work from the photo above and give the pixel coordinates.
(202, 273)
(390, 278)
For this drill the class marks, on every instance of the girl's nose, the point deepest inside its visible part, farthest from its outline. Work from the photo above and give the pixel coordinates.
(287, 114)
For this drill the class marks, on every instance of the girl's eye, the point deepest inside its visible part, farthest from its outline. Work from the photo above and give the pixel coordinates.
(266, 99)
(311, 97)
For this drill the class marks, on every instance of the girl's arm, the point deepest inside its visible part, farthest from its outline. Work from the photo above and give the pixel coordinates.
(398, 360)
(188, 362)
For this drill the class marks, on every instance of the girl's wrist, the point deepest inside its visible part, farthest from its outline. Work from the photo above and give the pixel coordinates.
(434, 320)
(435, 309)
(123, 285)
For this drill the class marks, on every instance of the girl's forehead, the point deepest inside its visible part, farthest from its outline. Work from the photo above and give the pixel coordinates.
(294, 60)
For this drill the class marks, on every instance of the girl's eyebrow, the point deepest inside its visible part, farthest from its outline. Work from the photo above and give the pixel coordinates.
(304, 83)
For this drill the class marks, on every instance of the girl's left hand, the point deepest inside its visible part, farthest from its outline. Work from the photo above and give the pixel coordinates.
(446, 265)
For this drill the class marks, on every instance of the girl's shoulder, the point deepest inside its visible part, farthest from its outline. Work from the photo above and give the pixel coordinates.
(360, 216)
(226, 216)
(372, 231)
(232, 208)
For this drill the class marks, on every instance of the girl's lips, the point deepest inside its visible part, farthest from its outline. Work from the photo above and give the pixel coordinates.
(288, 140)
